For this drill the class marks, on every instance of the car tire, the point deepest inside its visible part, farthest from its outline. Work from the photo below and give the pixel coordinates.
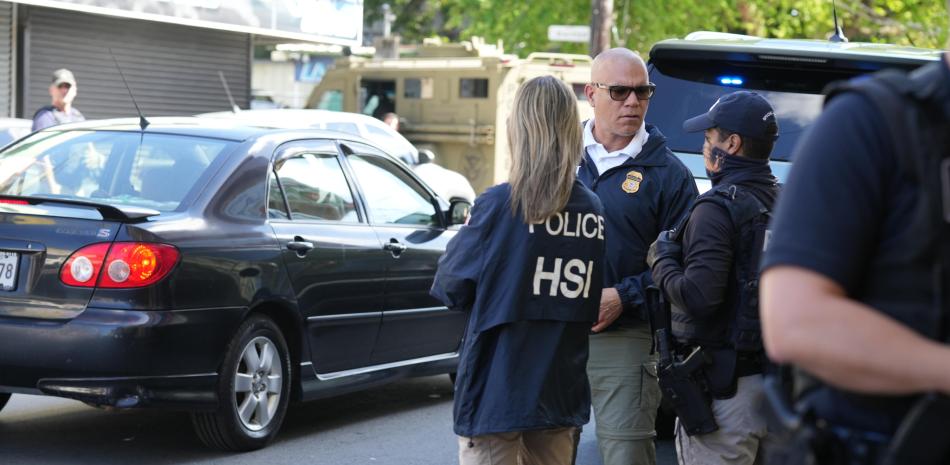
(4, 398)
(256, 369)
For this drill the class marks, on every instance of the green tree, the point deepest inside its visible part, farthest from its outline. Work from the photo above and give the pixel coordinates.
(522, 25)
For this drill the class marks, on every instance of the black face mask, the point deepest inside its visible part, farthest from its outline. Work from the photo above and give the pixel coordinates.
(735, 169)
(717, 156)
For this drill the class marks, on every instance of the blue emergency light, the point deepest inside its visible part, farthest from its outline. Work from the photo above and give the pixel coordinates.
(731, 81)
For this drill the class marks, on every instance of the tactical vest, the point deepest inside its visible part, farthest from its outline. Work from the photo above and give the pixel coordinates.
(919, 128)
(741, 330)
(906, 279)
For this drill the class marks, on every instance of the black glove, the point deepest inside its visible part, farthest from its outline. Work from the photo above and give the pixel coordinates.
(664, 247)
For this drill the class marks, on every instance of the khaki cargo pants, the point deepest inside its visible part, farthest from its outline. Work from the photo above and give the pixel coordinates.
(536, 447)
(742, 430)
(625, 394)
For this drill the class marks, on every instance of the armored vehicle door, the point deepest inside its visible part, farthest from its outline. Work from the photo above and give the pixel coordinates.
(331, 93)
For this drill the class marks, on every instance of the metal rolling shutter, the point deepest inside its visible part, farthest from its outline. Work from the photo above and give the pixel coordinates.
(172, 70)
(6, 58)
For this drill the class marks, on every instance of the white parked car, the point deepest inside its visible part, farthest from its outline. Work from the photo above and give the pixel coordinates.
(12, 129)
(448, 184)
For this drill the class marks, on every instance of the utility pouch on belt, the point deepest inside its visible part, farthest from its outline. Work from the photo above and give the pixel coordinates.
(681, 383)
(721, 374)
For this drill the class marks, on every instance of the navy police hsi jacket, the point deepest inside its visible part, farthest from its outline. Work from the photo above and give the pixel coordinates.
(533, 292)
(505, 270)
(641, 197)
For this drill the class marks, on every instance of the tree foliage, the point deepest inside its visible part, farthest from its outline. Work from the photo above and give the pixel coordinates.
(523, 24)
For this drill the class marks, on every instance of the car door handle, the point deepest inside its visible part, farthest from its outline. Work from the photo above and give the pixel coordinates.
(300, 246)
(395, 247)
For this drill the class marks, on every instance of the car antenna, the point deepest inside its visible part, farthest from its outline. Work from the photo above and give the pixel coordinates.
(227, 89)
(838, 36)
(143, 123)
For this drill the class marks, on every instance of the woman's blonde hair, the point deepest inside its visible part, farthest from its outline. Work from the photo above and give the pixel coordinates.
(546, 141)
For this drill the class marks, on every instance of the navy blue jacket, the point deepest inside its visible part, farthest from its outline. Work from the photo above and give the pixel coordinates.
(533, 292)
(641, 197)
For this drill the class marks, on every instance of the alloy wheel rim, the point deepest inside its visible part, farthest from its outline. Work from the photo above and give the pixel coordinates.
(258, 383)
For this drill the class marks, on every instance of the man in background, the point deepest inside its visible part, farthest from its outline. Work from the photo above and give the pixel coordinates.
(61, 110)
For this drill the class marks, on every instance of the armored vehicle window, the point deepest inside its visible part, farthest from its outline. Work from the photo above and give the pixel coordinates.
(331, 100)
(473, 88)
(418, 88)
(316, 188)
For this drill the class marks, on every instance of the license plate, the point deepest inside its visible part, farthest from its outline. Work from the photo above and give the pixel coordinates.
(9, 262)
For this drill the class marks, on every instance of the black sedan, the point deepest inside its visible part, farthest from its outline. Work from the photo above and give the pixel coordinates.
(222, 270)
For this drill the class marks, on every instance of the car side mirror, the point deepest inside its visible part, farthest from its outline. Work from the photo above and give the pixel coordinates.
(426, 156)
(459, 211)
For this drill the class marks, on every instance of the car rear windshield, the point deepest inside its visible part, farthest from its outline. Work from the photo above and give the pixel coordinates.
(686, 88)
(153, 171)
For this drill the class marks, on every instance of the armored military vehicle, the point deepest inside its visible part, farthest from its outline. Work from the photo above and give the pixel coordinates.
(451, 98)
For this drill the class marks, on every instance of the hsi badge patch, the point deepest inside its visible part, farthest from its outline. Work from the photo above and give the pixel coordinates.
(632, 184)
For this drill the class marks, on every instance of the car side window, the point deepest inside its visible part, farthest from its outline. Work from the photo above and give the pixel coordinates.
(392, 196)
(276, 209)
(316, 188)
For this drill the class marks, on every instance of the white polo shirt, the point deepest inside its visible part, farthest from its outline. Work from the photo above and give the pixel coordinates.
(606, 160)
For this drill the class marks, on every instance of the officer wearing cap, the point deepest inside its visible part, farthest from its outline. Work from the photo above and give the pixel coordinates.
(708, 270)
(61, 110)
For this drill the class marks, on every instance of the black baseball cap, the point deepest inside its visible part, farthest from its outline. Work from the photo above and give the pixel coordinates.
(745, 113)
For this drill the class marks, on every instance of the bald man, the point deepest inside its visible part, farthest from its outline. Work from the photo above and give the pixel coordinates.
(645, 189)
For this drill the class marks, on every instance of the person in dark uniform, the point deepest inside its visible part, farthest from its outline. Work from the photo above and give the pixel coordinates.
(710, 276)
(645, 189)
(852, 292)
(528, 266)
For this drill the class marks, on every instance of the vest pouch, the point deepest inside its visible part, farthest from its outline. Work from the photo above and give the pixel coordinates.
(721, 374)
(748, 332)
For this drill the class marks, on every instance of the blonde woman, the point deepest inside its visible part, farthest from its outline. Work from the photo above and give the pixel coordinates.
(528, 269)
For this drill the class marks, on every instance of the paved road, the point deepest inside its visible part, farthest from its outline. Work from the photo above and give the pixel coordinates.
(406, 423)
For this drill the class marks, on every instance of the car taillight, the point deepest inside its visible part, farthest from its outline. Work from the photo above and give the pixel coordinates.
(82, 267)
(124, 265)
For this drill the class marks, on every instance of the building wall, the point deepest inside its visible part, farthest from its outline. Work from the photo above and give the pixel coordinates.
(7, 47)
(171, 69)
(278, 79)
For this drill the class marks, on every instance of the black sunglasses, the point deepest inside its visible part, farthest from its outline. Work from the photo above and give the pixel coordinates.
(620, 93)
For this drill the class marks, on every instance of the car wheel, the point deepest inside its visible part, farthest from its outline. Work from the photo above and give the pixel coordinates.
(4, 398)
(253, 390)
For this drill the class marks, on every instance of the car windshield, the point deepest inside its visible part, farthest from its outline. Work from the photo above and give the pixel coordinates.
(684, 90)
(153, 171)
